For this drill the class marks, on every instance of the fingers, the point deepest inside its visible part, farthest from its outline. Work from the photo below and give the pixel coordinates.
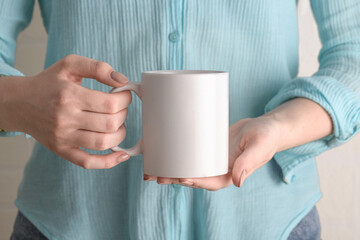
(101, 102)
(90, 161)
(98, 141)
(208, 183)
(252, 158)
(161, 180)
(104, 123)
(79, 67)
(164, 180)
(149, 178)
(74, 68)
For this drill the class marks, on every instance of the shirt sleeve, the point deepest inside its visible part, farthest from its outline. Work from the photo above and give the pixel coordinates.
(336, 85)
(15, 16)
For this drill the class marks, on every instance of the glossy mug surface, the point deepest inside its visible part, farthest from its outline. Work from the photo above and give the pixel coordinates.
(185, 123)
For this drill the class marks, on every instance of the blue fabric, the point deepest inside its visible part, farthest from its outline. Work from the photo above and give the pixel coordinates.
(257, 43)
(308, 228)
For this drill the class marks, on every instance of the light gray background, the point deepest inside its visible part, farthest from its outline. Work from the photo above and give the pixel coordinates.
(339, 169)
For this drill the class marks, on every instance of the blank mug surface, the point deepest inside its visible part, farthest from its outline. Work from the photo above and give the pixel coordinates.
(185, 117)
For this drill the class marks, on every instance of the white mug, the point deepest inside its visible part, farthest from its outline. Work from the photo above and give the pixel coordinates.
(185, 123)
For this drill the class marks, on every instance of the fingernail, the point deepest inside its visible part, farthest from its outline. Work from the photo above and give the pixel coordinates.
(123, 157)
(119, 77)
(242, 177)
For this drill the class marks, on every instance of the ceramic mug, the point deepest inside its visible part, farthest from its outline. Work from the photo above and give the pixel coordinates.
(185, 123)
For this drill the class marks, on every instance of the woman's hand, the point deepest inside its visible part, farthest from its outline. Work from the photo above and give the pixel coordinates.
(253, 142)
(62, 115)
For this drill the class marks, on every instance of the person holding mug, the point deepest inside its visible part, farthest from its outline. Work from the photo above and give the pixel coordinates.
(75, 187)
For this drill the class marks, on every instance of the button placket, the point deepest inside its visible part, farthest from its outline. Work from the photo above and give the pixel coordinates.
(174, 61)
(175, 34)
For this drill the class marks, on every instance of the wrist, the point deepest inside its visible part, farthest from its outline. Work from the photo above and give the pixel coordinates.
(300, 121)
(12, 89)
(280, 125)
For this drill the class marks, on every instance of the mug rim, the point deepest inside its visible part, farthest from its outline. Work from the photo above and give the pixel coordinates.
(183, 72)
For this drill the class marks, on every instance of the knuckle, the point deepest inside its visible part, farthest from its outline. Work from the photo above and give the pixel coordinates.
(101, 143)
(123, 133)
(102, 67)
(68, 60)
(112, 124)
(85, 164)
(62, 97)
(108, 164)
(127, 97)
(122, 115)
(110, 105)
(259, 139)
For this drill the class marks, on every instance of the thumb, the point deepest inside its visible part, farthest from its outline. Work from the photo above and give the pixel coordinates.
(252, 158)
(78, 67)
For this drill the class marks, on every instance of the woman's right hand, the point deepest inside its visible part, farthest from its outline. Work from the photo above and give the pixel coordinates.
(63, 116)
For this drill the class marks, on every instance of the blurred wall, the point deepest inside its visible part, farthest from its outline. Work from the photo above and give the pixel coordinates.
(339, 169)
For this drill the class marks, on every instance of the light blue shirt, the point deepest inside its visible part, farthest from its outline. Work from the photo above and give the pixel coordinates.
(257, 43)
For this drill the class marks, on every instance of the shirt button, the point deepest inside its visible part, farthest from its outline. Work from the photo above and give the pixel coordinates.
(174, 36)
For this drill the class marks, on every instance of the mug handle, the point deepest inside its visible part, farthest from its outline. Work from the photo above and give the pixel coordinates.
(137, 149)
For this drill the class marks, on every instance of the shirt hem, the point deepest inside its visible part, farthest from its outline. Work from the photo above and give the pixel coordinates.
(284, 236)
(294, 222)
(33, 220)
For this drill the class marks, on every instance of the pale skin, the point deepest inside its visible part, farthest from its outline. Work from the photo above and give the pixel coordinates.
(64, 116)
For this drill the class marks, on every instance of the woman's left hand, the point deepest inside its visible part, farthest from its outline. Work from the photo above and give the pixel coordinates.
(252, 143)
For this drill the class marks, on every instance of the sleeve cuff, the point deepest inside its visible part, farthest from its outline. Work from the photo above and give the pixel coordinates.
(8, 70)
(339, 101)
(9, 134)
